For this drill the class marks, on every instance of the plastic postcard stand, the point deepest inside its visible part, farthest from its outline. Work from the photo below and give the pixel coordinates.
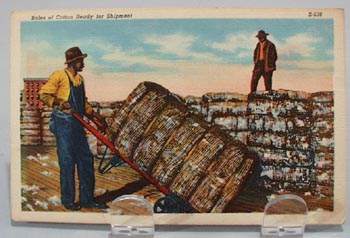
(284, 216)
(131, 216)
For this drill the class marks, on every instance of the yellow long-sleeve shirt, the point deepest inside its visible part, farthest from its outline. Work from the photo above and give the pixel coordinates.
(58, 86)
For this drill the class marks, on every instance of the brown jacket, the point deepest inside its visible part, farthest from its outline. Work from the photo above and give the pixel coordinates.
(270, 55)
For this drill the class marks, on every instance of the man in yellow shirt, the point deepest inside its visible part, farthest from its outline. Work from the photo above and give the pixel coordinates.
(65, 93)
(265, 57)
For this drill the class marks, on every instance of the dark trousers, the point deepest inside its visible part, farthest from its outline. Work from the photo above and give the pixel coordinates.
(73, 152)
(259, 70)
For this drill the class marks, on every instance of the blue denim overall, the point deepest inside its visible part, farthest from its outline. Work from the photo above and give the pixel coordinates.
(73, 150)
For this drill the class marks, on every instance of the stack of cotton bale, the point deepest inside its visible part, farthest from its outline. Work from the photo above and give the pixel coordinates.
(197, 161)
(229, 111)
(106, 110)
(48, 138)
(280, 132)
(194, 105)
(30, 124)
(323, 142)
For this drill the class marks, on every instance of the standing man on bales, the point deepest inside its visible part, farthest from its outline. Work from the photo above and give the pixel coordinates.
(265, 57)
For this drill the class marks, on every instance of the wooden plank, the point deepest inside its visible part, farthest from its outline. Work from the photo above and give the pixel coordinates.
(118, 181)
(49, 186)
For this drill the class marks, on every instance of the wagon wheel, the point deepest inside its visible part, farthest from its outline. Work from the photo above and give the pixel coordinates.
(166, 204)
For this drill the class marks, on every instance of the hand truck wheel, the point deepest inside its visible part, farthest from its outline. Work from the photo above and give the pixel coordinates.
(166, 205)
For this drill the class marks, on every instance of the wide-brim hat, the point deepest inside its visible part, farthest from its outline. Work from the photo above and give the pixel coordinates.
(73, 54)
(262, 33)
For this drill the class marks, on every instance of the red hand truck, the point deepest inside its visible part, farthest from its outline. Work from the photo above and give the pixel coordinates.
(171, 203)
(110, 145)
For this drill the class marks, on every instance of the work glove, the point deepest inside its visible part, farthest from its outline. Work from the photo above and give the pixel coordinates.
(62, 105)
(102, 124)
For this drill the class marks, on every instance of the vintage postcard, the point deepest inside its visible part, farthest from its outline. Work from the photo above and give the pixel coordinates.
(208, 114)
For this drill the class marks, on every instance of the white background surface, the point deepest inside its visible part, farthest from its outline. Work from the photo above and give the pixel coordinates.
(10, 229)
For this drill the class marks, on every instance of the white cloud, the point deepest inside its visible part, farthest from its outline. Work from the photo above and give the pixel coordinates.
(124, 58)
(98, 44)
(177, 43)
(300, 44)
(180, 45)
(39, 58)
(137, 56)
(236, 41)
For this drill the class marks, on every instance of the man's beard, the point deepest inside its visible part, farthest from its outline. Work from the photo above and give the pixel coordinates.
(78, 68)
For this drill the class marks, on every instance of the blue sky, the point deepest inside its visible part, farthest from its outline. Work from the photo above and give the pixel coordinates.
(181, 53)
